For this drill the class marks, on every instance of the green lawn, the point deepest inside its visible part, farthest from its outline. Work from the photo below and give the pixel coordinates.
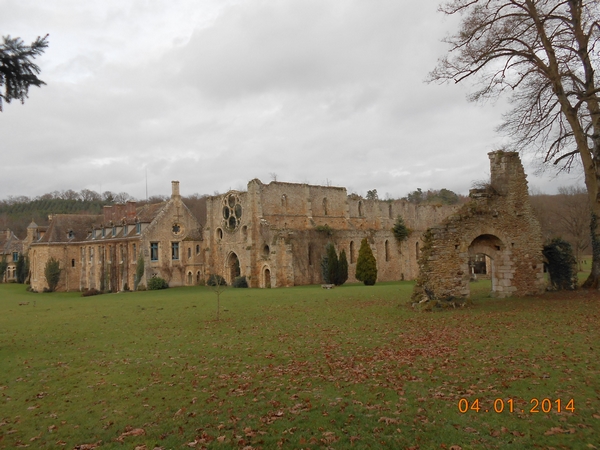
(304, 367)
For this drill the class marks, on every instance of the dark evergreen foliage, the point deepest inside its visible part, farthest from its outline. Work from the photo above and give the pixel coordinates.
(3, 267)
(435, 197)
(52, 272)
(22, 268)
(139, 271)
(156, 283)
(366, 266)
(332, 264)
(17, 70)
(401, 231)
(334, 269)
(216, 280)
(240, 282)
(562, 265)
(342, 269)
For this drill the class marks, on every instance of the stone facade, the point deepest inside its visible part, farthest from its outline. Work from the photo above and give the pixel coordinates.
(10, 249)
(498, 222)
(275, 234)
(103, 251)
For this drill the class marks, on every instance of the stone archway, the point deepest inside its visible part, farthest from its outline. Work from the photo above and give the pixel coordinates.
(266, 277)
(500, 267)
(233, 267)
(499, 222)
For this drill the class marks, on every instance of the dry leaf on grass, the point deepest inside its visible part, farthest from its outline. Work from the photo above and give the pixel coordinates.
(131, 432)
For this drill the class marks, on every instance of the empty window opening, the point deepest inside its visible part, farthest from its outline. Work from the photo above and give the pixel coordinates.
(387, 250)
(351, 252)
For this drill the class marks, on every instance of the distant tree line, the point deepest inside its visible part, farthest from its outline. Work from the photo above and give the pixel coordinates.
(17, 212)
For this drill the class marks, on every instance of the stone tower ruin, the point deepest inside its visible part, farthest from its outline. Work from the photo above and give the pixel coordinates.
(497, 222)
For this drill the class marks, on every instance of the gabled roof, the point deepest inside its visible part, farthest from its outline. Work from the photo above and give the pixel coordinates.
(9, 243)
(147, 213)
(69, 227)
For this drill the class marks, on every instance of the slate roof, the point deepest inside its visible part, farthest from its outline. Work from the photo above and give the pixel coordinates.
(69, 227)
(147, 213)
(9, 243)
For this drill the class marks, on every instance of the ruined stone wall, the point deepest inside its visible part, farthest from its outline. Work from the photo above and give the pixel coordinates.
(283, 229)
(498, 222)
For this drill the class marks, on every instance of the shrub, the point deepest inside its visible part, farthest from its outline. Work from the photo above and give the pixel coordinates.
(562, 265)
(52, 272)
(240, 282)
(216, 280)
(3, 267)
(22, 268)
(141, 287)
(326, 229)
(366, 266)
(401, 231)
(90, 292)
(329, 265)
(156, 283)
(342, 269)
(139, 271)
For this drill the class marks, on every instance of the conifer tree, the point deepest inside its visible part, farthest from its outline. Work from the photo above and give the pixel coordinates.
(332, 264)
(342, 269)
(52, 273)
(366, 266)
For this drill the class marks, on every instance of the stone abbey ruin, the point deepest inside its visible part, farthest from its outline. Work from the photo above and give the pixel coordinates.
(275, 235)
(497, 222)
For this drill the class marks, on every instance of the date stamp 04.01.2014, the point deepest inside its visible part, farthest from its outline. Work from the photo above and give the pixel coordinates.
(534, 406)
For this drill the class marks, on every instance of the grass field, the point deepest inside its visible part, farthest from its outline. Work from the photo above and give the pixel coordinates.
(352, 367)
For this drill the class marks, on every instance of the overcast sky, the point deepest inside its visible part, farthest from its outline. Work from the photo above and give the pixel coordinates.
(214, 93)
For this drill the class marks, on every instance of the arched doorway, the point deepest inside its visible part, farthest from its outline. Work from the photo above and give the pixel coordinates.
(266, 277)
(233, 267)
(486, 254)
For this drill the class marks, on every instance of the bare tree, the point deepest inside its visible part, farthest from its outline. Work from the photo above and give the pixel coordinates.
(575, 219)
(122, 197)
(70, 194)
(88, 195)
(545, 54)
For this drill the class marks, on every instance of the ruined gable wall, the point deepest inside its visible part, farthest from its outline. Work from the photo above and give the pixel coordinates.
(498, 221)
(220, 240)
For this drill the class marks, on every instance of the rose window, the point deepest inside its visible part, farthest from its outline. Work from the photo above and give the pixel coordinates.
(232, 211)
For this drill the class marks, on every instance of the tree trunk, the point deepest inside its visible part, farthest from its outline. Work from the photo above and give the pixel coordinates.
(593, 280)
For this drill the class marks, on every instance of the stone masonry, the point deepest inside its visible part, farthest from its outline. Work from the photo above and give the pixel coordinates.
(498, 222)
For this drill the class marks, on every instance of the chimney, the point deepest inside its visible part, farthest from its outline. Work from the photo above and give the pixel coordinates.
(175, 189)
(107, 213)
(119, 213)
(130, 211)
